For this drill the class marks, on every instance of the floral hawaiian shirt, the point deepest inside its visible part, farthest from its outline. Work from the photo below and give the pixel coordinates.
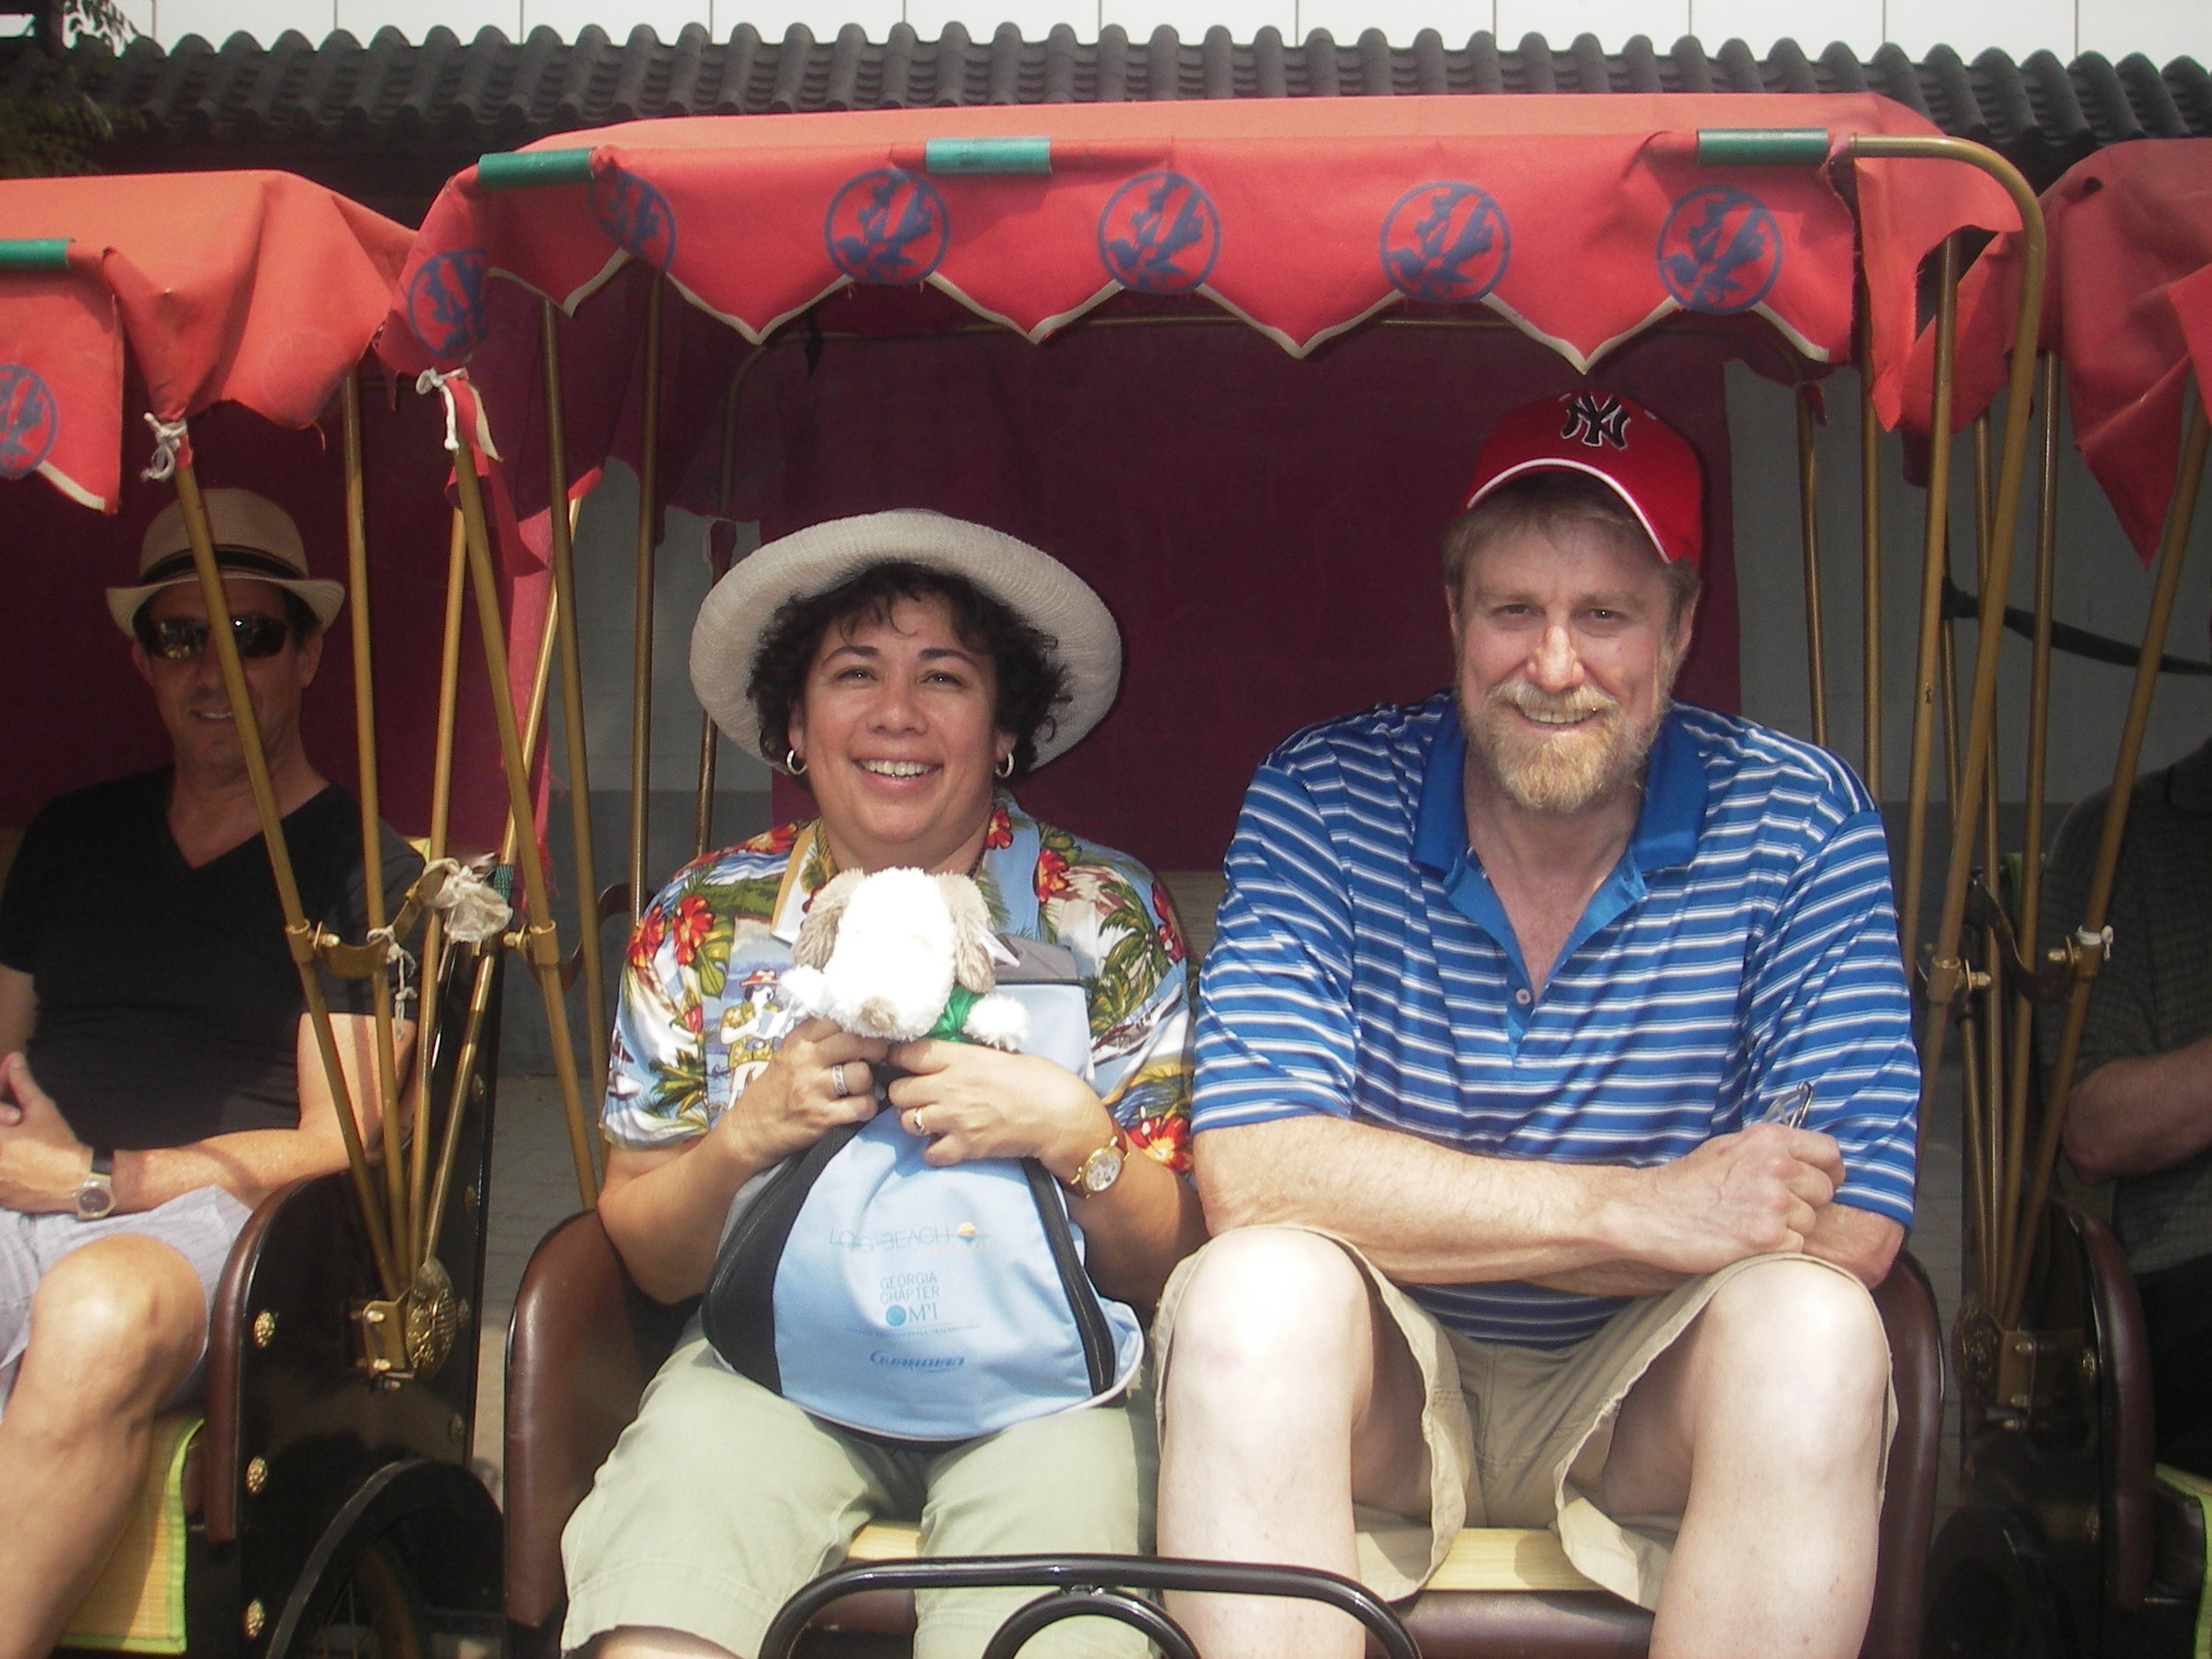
(702, 1010)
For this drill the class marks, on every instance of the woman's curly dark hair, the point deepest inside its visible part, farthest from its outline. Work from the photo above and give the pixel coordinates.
(1032, 681)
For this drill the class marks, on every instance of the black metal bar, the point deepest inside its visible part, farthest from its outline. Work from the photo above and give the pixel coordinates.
(1089, 1573)
(1957, 603)
(1025, 1621)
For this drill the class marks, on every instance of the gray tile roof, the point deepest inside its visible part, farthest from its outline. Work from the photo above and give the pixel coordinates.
(379, 120)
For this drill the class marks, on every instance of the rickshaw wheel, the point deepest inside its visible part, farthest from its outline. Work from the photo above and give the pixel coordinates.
(374, 1614)
(1990, 1595)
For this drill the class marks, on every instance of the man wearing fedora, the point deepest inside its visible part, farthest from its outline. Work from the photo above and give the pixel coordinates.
(157, 1077)
(1555, 1110)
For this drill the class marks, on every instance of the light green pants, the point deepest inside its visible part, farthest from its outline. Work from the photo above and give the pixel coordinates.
(722, 1499)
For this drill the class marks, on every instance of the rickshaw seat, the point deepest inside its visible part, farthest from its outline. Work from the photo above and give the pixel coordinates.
(586, 1341)
(137, 1602)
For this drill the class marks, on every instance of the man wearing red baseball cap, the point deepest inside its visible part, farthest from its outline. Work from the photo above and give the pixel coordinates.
(1556, 1102)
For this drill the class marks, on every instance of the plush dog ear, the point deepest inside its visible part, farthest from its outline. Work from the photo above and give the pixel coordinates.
(970, 933)
(817, 934)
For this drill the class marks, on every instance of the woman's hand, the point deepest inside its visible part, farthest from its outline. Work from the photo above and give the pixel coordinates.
(970, 1101)
(818, 1078)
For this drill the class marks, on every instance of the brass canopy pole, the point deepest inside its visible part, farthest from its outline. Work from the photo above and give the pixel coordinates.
(725, 487)
(1809, 520)
(300, 935)
(1870, 535)
(370, 801)
(464, 1080)
(572, 696)
(2180, 516)
(540, 936)
(441, 821)
(1946, 974)
(641, 632)
(1934, 552)
(2028, 922)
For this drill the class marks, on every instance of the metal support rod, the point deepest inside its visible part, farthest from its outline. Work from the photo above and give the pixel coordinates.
(1809, 521)
(2028, 921)
(1047, 1572)
(463, 1075)
(2004, 520)
(299, 934)
(572, 696)
(1871, 544)
(1934, 551)
(440, 809)
(541, 934)
(2172, 554)
(386, 1080)
(725, 489)
(642, 629)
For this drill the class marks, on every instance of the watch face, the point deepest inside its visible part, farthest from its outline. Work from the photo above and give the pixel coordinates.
(1100, 1169)
(95, 1199)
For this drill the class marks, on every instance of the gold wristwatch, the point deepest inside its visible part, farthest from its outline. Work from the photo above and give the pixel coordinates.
(1102, 1169)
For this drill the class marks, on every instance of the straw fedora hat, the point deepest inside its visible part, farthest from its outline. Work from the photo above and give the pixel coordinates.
(254, 537)
(1036, 587)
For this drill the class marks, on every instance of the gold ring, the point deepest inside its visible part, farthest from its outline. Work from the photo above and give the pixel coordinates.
(917, 1120)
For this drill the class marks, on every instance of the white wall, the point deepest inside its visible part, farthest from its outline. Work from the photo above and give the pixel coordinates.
(2162, 29)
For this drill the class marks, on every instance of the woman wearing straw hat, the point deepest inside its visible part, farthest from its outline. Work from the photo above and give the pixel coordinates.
(905, 665)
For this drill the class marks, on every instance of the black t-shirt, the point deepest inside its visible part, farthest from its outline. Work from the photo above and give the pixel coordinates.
(168, 1005)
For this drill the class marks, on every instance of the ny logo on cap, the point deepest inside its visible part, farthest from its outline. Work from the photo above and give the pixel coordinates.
(1597, 419)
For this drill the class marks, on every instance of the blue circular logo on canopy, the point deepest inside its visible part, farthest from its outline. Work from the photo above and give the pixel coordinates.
(445, 302)
(28, 420)
(1160, 234)
(888, 227)
(1446, 242)
(1720, 250)
(635, 213)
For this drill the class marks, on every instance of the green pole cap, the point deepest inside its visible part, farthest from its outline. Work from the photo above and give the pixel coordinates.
(519, 169)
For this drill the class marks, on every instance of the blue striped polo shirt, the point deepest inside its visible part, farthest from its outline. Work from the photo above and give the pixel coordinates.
(1363, 967)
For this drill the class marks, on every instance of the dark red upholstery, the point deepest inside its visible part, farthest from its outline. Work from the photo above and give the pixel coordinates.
(585, 1342)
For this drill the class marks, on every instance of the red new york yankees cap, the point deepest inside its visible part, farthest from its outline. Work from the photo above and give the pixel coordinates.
(1648, 464)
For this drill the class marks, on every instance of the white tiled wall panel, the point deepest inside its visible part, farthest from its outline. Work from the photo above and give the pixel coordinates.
(1191, 19)
(215, 21)
(981, 17)
(362, 18)
(823, 17)
(1399, 20)
(1612, 21)
(2016, 28)
(2161, 30)
(567, 17)
(1760, 23)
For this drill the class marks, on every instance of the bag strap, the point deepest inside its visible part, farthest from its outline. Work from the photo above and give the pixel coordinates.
(1090, 1319)
(738, 1314)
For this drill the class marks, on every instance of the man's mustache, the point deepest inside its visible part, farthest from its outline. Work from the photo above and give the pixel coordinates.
(1552, 705)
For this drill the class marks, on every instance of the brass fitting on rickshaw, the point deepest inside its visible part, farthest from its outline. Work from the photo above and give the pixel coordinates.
(2017, 1376)
(411, 1335)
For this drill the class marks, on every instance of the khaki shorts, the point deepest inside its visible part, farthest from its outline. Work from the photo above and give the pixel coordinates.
(723, 1499)
(1518, 1437)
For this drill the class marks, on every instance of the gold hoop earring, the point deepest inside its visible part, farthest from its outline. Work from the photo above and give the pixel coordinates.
(1005, 767)
(795, 763)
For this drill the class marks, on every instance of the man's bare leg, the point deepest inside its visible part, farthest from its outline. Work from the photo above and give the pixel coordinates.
(1287, 1394)
(646, 1641)
(114, 1328)
(1774, 1398)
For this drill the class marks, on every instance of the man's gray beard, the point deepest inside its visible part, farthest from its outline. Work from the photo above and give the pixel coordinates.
(1560, 773)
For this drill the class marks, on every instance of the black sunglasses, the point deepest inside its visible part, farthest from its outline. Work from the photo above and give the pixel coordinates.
(181, 638)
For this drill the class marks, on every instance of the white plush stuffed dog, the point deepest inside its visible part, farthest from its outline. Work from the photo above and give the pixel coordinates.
(901, 955)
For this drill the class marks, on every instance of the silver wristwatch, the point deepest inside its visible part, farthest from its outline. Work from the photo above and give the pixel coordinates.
(96, 1193)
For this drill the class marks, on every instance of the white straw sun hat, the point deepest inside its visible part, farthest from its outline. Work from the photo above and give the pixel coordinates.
(1036, 587)
(253, 536)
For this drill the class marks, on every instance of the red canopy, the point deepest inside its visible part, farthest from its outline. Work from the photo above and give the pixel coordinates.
(257, 288)
(2128, 307)
(1582, 220)
(238, 296)
(1262, 518)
